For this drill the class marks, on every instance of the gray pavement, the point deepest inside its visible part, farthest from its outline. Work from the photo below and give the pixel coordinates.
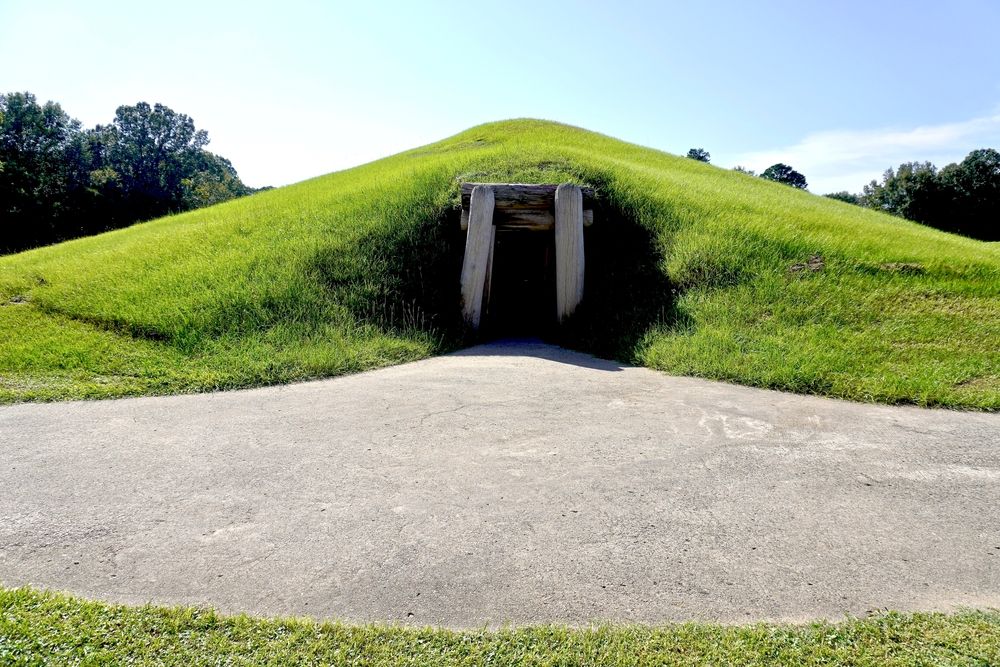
(515, 482)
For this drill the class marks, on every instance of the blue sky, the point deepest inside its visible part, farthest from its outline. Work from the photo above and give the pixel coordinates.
(293, 89)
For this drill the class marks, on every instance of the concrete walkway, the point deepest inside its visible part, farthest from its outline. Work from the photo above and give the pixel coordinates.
(508, 483)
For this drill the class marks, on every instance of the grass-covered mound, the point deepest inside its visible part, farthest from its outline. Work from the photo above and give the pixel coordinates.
(692, 269)
(42, 628)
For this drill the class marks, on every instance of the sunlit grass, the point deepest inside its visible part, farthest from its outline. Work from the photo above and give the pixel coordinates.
(48, 629)
(359, 269)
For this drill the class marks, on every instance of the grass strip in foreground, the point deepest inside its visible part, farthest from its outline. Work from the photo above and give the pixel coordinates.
(52, 629)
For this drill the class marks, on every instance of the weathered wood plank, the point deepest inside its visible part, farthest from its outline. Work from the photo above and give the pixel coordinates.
(489, 269)
(523, 195)
(478, 248)
(526, 219)
(569, 249)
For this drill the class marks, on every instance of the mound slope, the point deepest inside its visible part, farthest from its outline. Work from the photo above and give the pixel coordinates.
(691, 269)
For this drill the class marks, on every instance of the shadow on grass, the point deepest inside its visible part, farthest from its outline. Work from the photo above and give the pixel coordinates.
(401, 278)
(626, 290)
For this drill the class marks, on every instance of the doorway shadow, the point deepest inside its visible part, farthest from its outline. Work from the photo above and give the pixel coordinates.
(539, 349)
(521, 299)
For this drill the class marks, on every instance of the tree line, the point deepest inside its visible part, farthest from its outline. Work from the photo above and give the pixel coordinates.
(962, 198)
(59, 181)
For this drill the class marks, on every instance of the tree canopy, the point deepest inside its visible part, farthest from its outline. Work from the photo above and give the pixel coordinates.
(41, 153)
(963, 198)
(699, 154)
(58, 181)
(782, 173)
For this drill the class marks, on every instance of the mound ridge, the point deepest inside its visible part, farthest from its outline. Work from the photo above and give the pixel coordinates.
(691, 270)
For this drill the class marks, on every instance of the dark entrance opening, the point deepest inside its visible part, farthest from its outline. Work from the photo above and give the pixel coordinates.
(522, 291)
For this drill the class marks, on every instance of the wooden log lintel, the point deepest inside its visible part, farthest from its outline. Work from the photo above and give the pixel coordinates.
(523, 195)
(535, 221)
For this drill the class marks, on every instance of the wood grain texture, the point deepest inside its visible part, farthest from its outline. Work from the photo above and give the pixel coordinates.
(523, 195)
(569, 249)
(489, 269)
(478, 249)
(526, 219)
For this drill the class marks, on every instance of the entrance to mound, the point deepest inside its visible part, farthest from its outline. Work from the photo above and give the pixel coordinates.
(523, 269)
(521, 295)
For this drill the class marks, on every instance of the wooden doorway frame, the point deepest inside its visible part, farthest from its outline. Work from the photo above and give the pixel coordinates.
(565, 209)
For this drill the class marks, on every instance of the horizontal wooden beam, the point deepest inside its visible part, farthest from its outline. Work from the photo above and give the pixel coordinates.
(523, 196)
(526, 219)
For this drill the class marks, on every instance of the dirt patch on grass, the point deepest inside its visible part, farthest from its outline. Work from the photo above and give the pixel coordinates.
(813, 264)
(980, 383)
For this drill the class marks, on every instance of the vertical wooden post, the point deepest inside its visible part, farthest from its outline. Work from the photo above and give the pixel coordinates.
(489, 268)
(478, 251)
(569, 249)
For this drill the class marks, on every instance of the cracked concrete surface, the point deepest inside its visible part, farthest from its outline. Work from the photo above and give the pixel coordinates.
(513, 482)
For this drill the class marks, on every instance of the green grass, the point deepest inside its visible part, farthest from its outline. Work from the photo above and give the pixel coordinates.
(689, 271)
(39, 628)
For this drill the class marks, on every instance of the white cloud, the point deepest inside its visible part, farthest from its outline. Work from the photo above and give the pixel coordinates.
(848, 159)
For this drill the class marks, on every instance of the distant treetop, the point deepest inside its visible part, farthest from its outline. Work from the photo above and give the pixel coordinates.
(782, 173)
(699, 154)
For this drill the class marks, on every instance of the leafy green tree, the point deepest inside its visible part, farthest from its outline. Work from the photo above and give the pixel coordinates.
(42, 170)
(214, 181)
(59, 182)
(743, 170)
(782, 173)
(699, 154)
(911, 191)
(149, 151)
(972, 195)
(963, 198)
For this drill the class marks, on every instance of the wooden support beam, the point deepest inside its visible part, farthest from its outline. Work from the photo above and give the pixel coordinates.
(526, 219)
(569, 249)
(478, 251)
(509, 196)
(489, 269)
